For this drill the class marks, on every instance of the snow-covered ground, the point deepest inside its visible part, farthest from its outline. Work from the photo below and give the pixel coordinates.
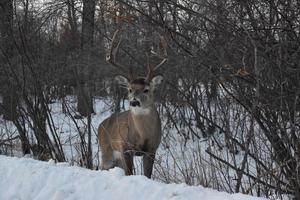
(28, 179)
(177, 160)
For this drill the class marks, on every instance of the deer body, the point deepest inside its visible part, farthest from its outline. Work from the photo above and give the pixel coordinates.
(129, 134)
(136, 132)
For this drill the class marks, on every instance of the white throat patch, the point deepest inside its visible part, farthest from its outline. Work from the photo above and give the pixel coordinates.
(139, 111)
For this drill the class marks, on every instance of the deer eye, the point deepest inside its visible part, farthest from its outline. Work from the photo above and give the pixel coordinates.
(146, 90)
(130, 90)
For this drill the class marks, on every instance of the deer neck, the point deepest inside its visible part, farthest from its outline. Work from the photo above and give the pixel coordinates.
(142, 111)
(144, 119)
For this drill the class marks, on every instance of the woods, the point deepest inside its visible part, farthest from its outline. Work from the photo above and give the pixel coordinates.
(229, 102)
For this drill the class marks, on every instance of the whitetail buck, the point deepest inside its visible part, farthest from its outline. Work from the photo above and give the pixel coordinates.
(136, 132)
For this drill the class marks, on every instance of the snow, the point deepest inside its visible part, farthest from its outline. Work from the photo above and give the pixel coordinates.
(28, 179)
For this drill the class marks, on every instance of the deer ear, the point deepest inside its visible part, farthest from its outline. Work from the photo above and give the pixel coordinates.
(122, 80)
(156, 81)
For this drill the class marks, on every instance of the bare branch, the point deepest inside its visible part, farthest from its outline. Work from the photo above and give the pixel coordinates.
(164, 57)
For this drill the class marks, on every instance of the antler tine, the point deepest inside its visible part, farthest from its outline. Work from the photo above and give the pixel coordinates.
(164, 58)
(150, 69)
(111, 57)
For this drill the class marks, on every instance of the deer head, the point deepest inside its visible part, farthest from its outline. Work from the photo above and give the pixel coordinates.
(140, 89)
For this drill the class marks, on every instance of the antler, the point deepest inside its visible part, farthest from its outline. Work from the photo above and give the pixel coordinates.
(113, 51)
(164, 57)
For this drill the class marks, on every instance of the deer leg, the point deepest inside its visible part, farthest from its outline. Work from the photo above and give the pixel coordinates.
(108, 162)
(107, 165)
(111, 158)
(125, 162)
(148, 160)
(128, 158)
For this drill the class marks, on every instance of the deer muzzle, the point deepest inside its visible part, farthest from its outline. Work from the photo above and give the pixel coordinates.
(135, 103)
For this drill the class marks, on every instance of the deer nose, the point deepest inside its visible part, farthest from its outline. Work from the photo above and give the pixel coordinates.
(135, 103)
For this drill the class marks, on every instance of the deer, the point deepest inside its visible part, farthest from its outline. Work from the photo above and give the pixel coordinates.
(137, 131)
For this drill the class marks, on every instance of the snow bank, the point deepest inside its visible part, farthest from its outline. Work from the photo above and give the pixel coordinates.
(28, 179)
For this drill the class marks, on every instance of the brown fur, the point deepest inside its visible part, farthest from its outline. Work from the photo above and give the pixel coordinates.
(126, 134)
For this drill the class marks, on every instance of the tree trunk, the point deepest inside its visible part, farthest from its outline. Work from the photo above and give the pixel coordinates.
(84, 94)
(8, 93)
(85, 101)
